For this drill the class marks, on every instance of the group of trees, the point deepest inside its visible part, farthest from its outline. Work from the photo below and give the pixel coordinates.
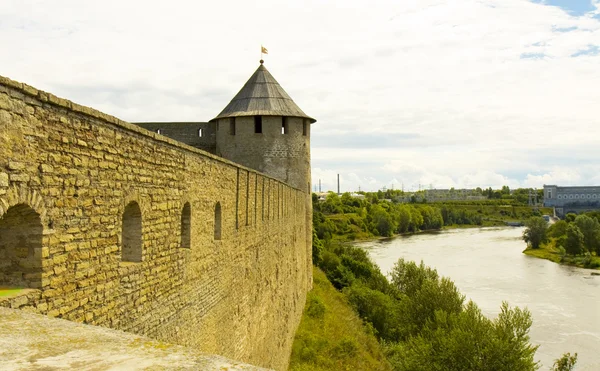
(371, 216)
(575, 236)
(423, 321)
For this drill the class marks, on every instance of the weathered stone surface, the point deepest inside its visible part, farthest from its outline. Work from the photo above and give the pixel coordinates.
(3, 180)
(219, 295)
(34, 342)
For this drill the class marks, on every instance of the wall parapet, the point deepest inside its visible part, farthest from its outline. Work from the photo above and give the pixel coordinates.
(29, 94)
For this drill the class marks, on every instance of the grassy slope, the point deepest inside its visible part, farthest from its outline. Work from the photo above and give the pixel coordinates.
(331, 336)
(546, 251)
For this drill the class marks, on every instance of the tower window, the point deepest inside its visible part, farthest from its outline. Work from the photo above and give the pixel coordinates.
(284, 125)
(158, 131)
(305, 127)
(258, 124)
(200, 132)
(232, 126)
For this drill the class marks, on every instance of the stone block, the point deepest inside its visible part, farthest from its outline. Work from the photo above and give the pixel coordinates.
(4, 180)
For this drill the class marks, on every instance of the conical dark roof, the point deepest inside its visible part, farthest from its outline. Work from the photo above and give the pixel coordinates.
(262, 95)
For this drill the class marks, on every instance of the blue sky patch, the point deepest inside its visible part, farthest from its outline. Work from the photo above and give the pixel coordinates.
(591, 50)
(564, 29)
(573, 7)
(533, 56)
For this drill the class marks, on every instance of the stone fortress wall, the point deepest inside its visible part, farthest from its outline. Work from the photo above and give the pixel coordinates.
(201, 135)
(113, 225)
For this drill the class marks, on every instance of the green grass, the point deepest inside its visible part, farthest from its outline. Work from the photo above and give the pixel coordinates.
(549, 251)
(331, 336)
(9, 291)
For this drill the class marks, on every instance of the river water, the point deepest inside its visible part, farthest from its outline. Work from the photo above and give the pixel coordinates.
(488, 267)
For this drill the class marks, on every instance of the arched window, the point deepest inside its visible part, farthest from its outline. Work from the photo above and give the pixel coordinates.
(218, 221)
(20, 248)
(131, 249)
(186, 226)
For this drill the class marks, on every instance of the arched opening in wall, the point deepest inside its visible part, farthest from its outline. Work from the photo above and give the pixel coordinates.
(21, 248)
(186, 226)
(131, 250)
(218, 221)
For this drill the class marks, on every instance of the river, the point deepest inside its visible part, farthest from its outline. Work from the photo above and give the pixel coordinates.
(488, 267)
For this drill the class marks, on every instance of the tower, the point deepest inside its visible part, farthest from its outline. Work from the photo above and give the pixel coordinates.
(262, 128)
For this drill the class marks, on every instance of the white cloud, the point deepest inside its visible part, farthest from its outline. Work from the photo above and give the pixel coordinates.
(451, 73)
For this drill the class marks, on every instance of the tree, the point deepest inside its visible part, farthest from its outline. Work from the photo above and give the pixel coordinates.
(382, 221)
(565, 363)
(574, 242)
(423, 294)
(535, 233)
(558, 229)
(317, 248)
(590, 228)
(570, 217)
(468, 341)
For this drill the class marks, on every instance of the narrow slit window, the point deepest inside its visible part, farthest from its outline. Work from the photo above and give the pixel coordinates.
(158, 131)
(200, 132)
(258, 124)
(232, 126)
(218, 221)
(186, 226)
(305, 127)
(284, 125)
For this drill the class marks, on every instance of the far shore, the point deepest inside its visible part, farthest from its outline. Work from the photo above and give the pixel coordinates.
(549, 251)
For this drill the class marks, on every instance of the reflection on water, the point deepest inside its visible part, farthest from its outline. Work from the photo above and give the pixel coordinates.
(488, 267)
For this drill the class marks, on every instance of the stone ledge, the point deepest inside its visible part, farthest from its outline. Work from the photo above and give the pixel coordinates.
(34, 342)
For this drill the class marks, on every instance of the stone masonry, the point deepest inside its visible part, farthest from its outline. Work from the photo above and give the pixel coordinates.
(109, 224)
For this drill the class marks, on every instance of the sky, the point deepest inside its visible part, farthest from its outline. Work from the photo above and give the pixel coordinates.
(408, 94)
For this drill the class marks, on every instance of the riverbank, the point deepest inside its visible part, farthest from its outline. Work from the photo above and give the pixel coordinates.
(549, 251)
(488, 267)
(345, 239)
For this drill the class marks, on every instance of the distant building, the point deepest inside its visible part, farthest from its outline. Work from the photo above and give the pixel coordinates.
(357, 195)
(440, 195)
(576, 200)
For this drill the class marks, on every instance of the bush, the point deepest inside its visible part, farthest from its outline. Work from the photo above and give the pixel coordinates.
(346, 348)
(315, 307)
(565, 363)
(376, 307)
(317, 249)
